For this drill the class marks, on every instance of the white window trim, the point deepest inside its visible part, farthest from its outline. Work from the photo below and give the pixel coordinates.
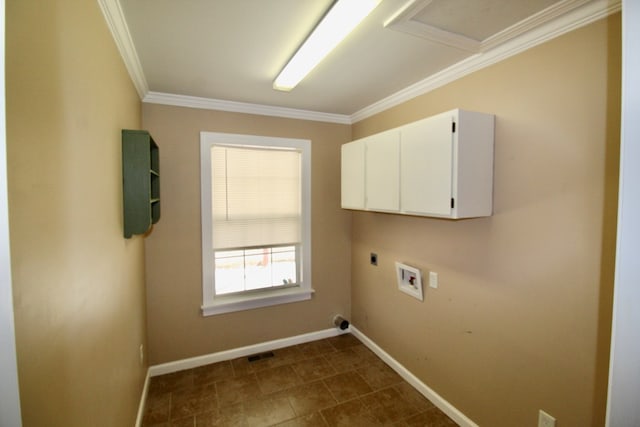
(212, 304)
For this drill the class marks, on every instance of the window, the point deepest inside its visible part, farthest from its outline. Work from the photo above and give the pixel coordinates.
(256, 231)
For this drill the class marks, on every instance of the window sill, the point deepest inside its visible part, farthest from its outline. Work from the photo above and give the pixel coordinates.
(247, 302)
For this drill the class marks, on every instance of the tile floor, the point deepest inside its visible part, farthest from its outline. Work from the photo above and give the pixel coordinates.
(331, 382)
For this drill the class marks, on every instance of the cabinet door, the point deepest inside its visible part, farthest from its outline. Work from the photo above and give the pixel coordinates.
(352, 179)
(382, 172)
(426, 166)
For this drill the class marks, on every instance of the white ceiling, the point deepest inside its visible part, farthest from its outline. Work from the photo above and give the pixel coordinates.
(231, 50)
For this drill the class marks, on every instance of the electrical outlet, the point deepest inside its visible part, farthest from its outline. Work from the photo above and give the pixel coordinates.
(142, 354)
(373, 258)
(545, 420)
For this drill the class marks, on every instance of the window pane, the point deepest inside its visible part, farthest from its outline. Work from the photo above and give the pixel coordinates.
(229, 270)
(251, 269)
(258, 269)
(284, 265)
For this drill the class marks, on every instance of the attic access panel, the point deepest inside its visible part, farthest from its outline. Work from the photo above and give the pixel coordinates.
(478, 19)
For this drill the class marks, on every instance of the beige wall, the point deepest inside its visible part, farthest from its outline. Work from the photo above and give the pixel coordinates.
(78, 285)
(522, 316)
(521, 319)
(176, 326)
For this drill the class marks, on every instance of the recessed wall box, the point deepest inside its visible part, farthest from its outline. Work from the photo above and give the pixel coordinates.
(409, 280)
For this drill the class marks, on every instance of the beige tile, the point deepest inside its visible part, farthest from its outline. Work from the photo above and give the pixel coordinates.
(212, 373)
(364, 353)
(431, 418)
(411, 395)
(379, 375)
(281, 357)
(170, 382)
(285, 356)
(345, 360)
(231, 416)
(343, 341)
(313, 369)
(241, 367)
(311, 420)
(350, 414)
(277, 379)
(310, 397)
(267, 412)
(157, 409)
(332, 382)
(388, 406)
(347, 386)
(315, 348)
(183, 422)
(237, 389)
(195, 400)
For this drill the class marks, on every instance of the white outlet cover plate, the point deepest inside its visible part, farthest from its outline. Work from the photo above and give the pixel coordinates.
(545, 420)
(433, 279)
(409, 280)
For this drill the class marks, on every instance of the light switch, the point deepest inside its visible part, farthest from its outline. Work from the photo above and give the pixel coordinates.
(433, 279)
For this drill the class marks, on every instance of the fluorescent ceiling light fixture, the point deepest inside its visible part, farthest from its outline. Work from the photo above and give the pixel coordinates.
(343, 17)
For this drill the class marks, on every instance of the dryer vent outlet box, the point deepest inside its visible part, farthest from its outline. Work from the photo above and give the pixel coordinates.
(409, 280)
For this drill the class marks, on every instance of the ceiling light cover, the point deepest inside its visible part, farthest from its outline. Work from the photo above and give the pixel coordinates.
(343, 17)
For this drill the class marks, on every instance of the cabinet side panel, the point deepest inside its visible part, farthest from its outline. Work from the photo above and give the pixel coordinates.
(353, 170)
(154, 166)
(474, 171)
(136, 184)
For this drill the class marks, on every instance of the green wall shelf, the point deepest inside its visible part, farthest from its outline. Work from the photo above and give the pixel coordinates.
(140, 182)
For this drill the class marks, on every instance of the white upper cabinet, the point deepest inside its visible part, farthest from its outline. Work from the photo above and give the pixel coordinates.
(426, 174)
(441, 166)
(382, 166)
(370, 173)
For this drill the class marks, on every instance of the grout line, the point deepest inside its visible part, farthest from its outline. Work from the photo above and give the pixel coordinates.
(324, 420)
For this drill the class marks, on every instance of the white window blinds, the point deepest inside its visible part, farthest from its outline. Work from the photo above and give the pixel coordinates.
(256, 199)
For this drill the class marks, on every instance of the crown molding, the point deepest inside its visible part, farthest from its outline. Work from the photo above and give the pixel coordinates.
(552, 22)
(532, 22)
(563, 24)
(120, 31)
(243, 107)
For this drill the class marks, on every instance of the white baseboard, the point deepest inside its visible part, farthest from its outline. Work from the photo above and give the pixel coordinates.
(427, 392)
(143, 400)
(194, 362)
